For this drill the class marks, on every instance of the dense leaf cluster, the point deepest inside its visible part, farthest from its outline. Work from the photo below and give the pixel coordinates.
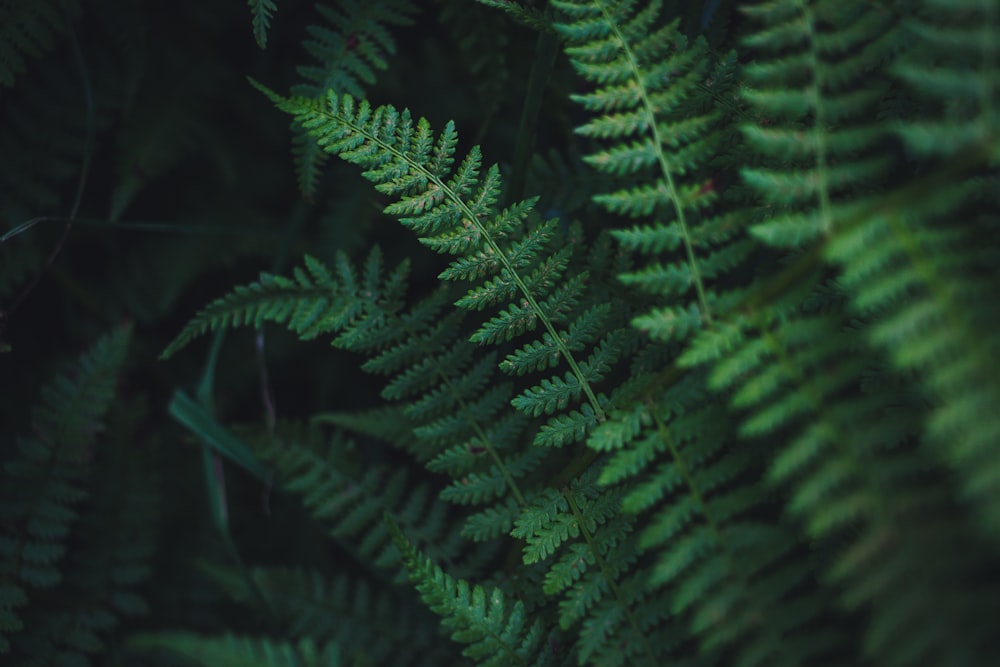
(700, 371)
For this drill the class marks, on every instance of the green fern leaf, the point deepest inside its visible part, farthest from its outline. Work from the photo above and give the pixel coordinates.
(497, 632)
(52, 471)
(261, 12)
(646, 76)
(311, 304)
(351, 504)
(456, 209)
(348, 49)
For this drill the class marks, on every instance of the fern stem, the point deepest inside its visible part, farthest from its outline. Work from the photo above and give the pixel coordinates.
(658, 141)
(494, 248)
(609, 577)
(819, 122)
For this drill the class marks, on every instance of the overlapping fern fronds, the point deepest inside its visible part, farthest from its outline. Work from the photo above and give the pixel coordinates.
(792, 361)
(767, 487)
(452, 210)
(348, 49)
(927, 264)
(449, 398)
(351, 501)
(242, 651)
(656, 109)
(379, 625)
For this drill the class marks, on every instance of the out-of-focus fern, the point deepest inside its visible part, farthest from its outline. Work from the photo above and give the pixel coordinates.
(374, 625)
(857, 479)
(352, 501)
(242, 651)
(348, 50)
(110, 559)
(28, 30)
(484, 43)
(46, 485)
(927, 265)
(261, 12)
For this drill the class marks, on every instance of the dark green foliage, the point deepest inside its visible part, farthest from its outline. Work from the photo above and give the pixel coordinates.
(242, 651)
(700, 369)
(29, 29)
(497, 632)
(44, 490)
(347, 50)
(261, 12)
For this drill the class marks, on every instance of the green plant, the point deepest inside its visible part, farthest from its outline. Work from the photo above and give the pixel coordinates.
(726, 398)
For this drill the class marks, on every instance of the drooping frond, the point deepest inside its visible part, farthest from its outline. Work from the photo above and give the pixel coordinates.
(44, 487)
(312, 303)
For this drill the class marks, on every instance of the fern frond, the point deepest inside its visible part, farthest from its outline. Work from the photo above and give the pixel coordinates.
(44, 487)
(816, 102)
(950, 65)
(351, 502)
(659, 141)
(28, 30)
(453, 210)
(312, 303)
(240, 651)
(261, 12)
(926, 267)
(496, 631)
(530, 16)
(111, 555)
(352, 44)
(365, 621)
(583, 541)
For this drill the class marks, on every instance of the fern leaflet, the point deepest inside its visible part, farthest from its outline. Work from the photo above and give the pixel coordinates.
(43, 489)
